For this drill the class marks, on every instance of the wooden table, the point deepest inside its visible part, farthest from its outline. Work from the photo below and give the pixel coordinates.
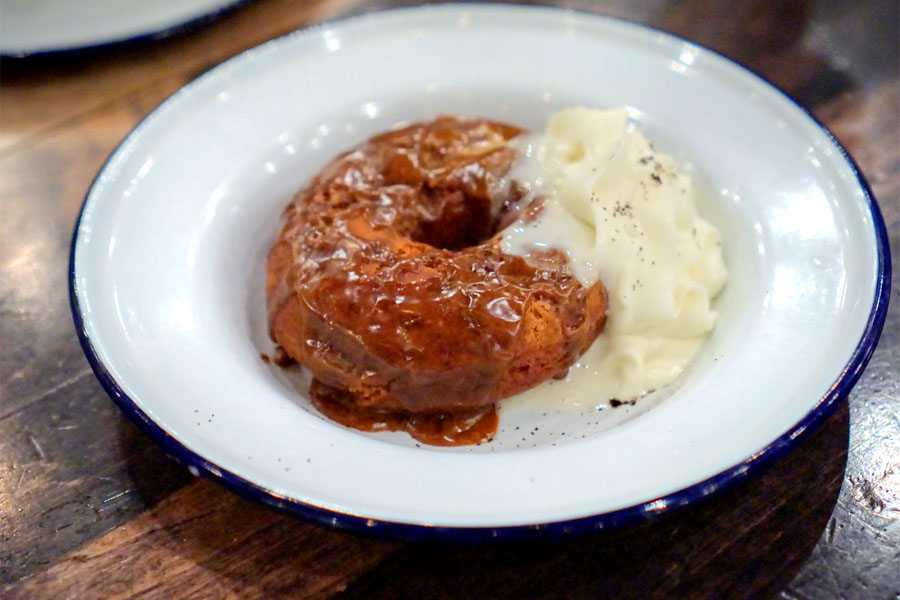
(90, 508)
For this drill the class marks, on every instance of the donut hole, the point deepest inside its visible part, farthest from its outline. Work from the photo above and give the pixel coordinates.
(457, 221)
(443, 175)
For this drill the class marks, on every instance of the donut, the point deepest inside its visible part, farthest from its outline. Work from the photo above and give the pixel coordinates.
(387, 282)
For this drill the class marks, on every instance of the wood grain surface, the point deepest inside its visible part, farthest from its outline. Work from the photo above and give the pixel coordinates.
(203, 542)
(91, 508)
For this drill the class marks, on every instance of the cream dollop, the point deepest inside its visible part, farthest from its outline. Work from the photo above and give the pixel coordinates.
(623, 213)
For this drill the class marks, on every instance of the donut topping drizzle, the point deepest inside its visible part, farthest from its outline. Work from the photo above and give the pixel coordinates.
(389, 283)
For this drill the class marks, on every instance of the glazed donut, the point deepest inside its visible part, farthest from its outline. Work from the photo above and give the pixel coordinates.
(388, 283)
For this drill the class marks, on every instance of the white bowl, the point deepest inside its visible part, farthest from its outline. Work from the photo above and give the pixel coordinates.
(168, 261)
(31, 27)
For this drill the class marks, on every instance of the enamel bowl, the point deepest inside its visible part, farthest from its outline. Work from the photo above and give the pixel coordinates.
(34, 27)
(168, 261)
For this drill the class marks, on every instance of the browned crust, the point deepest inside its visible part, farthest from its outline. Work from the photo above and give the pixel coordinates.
(374, 286)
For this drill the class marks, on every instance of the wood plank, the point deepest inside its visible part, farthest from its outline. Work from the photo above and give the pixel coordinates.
(867, 123)
(52, 407)
(43, 187)
(72, 467)
(41, 96)
(748, 542)
(205, 542)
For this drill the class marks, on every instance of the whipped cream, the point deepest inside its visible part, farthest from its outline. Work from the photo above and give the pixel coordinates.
(622, 213)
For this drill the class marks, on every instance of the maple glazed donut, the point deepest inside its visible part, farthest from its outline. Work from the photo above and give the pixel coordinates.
(388, 283)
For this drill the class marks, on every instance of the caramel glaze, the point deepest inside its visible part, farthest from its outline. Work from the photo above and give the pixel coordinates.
(388, 283)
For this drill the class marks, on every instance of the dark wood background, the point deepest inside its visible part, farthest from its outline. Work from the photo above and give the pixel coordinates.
(90, 508)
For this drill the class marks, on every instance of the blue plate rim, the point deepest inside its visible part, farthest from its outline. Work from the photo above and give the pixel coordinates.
(632, 515)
